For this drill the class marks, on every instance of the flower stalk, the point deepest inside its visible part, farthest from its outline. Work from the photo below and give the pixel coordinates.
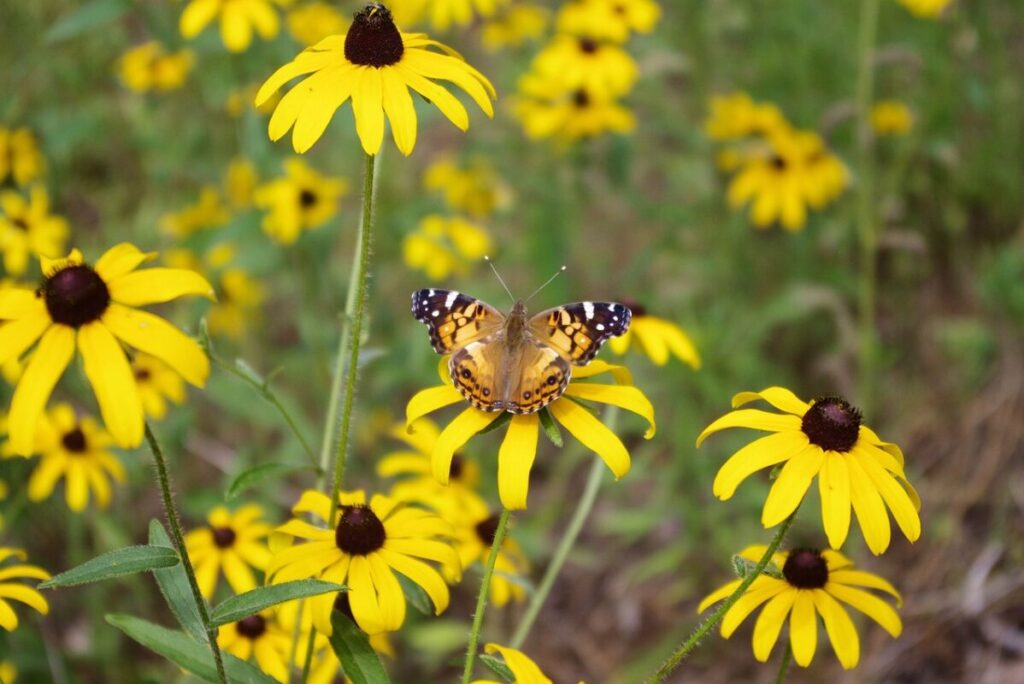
(481, 599)
(787, 658)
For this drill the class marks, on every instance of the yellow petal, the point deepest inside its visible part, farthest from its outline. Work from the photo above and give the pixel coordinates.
(803, 629)
(515, 458)
(324, 92)
(859, 578)
(629, 398)
(113, 381)
(423, 575)
(399, 108)
(362, 596)
(367, 103)
(157, 285)
(18, 302)
(48, 362)
(769, 624)
(719, 594)
(524, 669)
(779, 397)
(429, 400)
(834, 487)
(869, 509)
(759, 454)
(155, 336)
(790, 487)
(196, 16)
(19, 335)
(753, 419)
(839, 627)
(869, 604)
(763, 589)
(593, 434)
(389, 593)
(451, 439)
(896, 498)
(621, 374)
(437, 95)
(120, 260)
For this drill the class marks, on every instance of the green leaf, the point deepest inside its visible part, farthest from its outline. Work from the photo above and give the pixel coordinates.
(185, 653)
(744, 566)
(124, 561)
(503, 420)
(352, 646)
(415, 595)
(86, 18)
(251, 602)
(265, 471)
(498, 667)
(173, 583)
(551, 428)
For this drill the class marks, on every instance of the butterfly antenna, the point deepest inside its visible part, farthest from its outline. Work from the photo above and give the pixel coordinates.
(546, 283)
(498, 276)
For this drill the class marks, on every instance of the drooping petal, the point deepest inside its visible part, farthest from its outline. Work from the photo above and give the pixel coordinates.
(759, 454)
(389, 593)
(515, 458)
(303, 530)
(869, 604)
(317, 503)
(869, 509)
(779, 397)
(25, 594)
(113, 382)
(839, 627)
(422, 574)
(324, 92)
(120, 260)
(423, 548)
(309, 60)
(769, 624)
(367, 104)
(430, 400)
(456, 434)
(19, 335)
(629, 398)
(593, 434)
(362, 596)
(834, 487)
(438, 95)
(48, 362)
(155, 336)
(753, 419)
(525, 670)
(790, 487)
(196, 16)
(239, 575)
(158, 285)
(400, 110)
(896, 498)
(719, 594)
(859, 578)
(76, 487)
(803, 629)
(763, 589)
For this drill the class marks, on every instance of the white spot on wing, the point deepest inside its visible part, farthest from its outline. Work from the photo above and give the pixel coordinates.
(600, 326)
(452, 296)
(588, 308)
(435, 313)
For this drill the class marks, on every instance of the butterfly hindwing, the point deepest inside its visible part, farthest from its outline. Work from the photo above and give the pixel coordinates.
(454, 319)
(578, 330)
(542, 378)
(476, 373)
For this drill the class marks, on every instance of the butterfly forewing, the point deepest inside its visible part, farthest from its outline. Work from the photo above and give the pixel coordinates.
(454, 319)
(578, 330)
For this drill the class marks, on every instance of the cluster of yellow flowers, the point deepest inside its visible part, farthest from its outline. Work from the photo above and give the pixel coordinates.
(149, 67)
(575, 83)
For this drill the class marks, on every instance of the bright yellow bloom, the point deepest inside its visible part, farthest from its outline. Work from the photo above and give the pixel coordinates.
(519, 447)
(572, 116)
(363, 548)
(809, 583)
(20, 157)
(157, 385)
(736, 115)
(8, 673)
(312, 22)
(579, 63)
(524, 669)
(234, 543)
(27, 228)
(238, 19)
(442, 246)
(261, 636)
(657, 338)
(93, 310)
(926, 9)
(516, 25)
(149, 66)
(891, 117)
(374, 64)
(414, 465)
(18, 590)
(608, 19)
(442, 14)
(825, 439)
(240, 183)
(207, 213)
(302, 199)
(474, 187)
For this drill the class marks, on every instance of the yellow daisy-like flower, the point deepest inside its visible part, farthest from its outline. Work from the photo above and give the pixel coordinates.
(442, 14)
(300, 200)
(19, 591)
(150, 67)
(737, 115)
(413, 465)
(20, 157)
(75, 449)
(811, 583)
(238, 19)
(608, 19)
(240, 182)
(364, 548)
(474, 188)
(92, 309)
(891, 117)
(516, 25)
(657, 338)
(27, 228)
(312, 22)
(926, 9)
(571, 116)
(157, 385)
(519, 447)
(581, 63)
(207, 213)
(524, 669)
(234, 543)
(441, 246)
(824, 438)
(261, 636)
(375, 64)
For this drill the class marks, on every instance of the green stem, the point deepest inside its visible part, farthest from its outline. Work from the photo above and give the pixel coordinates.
(867, 233)
(179, 543)
(481, 599)
(705, 627)
(787, 658)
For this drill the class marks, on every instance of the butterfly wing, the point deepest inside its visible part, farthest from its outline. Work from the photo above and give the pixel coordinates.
(454, 319)
(577, 331)
(477, 371)
(485, 375)
(543, 376)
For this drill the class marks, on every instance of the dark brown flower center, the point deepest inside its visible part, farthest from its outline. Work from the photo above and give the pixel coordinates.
(777, 163)
(588, 46)
(307, 198)
(805, 569)
(581, 99)
(142, 374)
(373, 39)
(252, 627)
(74, 441)
(832, 424)
(20, 223)
(75, 295)
(224, 537)
(359, 531)
(486, 529)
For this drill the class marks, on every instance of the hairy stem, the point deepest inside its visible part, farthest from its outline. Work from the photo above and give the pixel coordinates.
(481, 599)
(787, 658)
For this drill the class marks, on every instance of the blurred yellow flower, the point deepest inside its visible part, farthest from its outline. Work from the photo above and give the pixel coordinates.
(413, 465)
(926, 9)
(441, 246)
(207, 213)
(474, 188)
(736, 115)
(149, 66)
(21, 161)
(94, 310)
(809, 583)
(608, 19)
(515, 25)
(374, 64)
(302, 199)
(240, 182)
(8, 672)
(238, 19)
(240, 297)
(234, 543)
(311, 22)
(891, 117)
(823, 439)
(580, 63)
(157, 385)
(28, 229)
(442, 14)
(571, 116)
(524, 669)
(261, 636)
(19, 591)
(657, 338)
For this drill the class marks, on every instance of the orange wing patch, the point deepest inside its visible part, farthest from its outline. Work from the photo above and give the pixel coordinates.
(577, 331)
(454, 319)
(543, 377)
(475, 371)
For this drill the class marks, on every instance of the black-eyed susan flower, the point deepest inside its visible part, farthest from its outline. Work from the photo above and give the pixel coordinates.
(412, 465)
(823, 439)
(519, 446)
(736, 115)
(238, 19)
(302, 199)
(811, 583)
(569, 116)
(261, 637)
(443, 14)
(149, 67)
(891, 117)
(157, 384)
(21, 160)
(441, 246)
(311, 22)
(28, 229)
(581, 63)
(92, 309)
(926, 9)
(611, 20)
(657, 338)
(233, 544)
(363, 548)
(517, 24)
(19, 591)
(207, 213)
(473, 187)
(375, 64)
(525, 670)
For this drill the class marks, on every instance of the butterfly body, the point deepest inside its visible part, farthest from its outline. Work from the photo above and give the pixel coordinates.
(515, 362)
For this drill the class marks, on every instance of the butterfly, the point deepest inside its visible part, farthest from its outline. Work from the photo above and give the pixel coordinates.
(515, 362)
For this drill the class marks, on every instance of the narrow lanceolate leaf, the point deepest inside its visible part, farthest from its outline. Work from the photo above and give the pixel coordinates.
(415, 595)
(124, 561)
(173, 583)
(85, 18)
(498, 667)
(185, 653)
(247, 479)
(550, 428)
(353, 649)
(251, 602)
